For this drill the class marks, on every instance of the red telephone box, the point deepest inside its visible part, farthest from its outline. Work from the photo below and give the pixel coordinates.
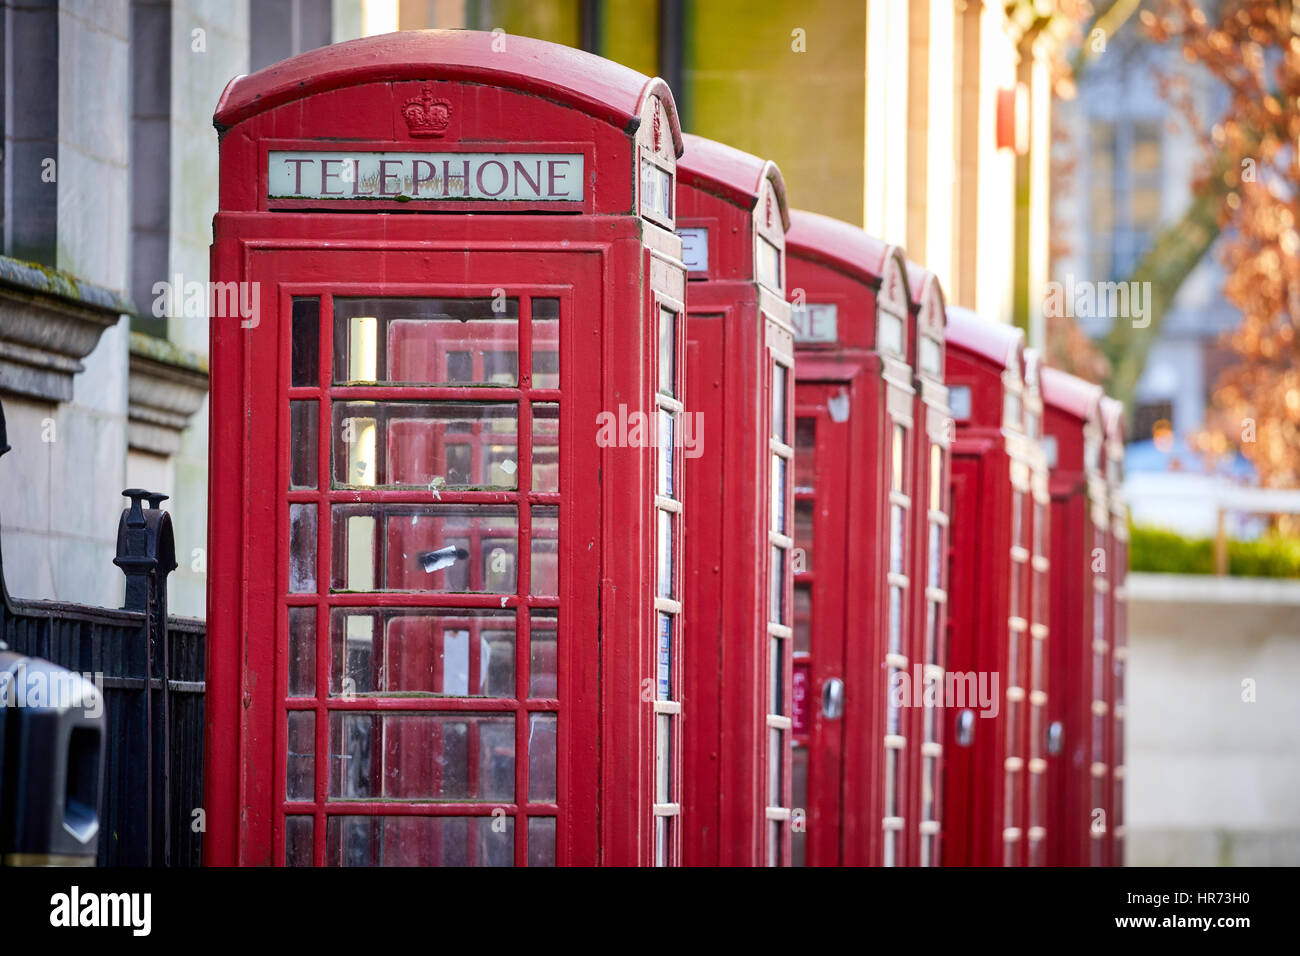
(985, 790)
(1112, 413)
(853, 458)
(929, 566)
(732, 219)
(1073, 440)
(1036, 583)
(445, 523)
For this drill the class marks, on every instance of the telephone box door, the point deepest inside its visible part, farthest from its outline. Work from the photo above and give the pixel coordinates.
(431, 695)
(821, 488)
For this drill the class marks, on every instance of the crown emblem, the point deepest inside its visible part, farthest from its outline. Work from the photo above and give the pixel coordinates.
(658, 132)
(426, 115)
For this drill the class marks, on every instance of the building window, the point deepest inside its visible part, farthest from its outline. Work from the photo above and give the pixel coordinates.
(1147, 414)
(1124, 194)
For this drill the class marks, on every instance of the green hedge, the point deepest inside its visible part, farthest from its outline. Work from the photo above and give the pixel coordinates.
(1167, 552)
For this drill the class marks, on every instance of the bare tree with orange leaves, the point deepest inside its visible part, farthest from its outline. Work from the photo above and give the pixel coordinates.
(1252, 47)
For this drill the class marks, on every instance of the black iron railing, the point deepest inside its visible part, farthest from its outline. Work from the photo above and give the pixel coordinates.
(150, 668)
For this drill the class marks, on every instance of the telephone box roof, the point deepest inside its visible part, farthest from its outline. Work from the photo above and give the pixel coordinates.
(735, 175)
(999, 343)
(587, 82)
(837, 243)
(1073, 395)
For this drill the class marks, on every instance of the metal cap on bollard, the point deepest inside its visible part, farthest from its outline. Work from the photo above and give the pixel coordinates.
(51, 764)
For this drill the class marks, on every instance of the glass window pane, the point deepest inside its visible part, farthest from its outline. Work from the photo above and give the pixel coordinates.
(305, 353)
(898, 460)
(302, 652)
(667, 453)
(776, 676)
(302, 548)
(496, 669)
(936, 478)
(895, 619)
(897, 527)
(380, 546)
(891, 333)
(667, 352)
(776, 586)
(664, 657)
(778, 494)
(541, 757)
(545, 572)
(419, 841)
(891, 782)
(779, 384)
(775, 768)
(300, 758)
(803, 534)
(665, 554)
(1014, 658)
(427, 341)
(802, 618)
(304, 427)
(1011, 410)
(434, 445)
(663, 758)
(932, 643)
(768, 270)
(422, 756)
(546, 447)
(893, 712)
(460, 652)
(936, 555)
(546, 343)
(805, 465)
(799, 784)
(541, 841)
(543, 673)
(298, 848)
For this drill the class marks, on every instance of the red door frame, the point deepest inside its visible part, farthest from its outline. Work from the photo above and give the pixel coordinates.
(984, 792)
(1073, 430)
(626, 268)
(822, 484)
(739, 595)
(864, 360)
(932, 474)
(1038, 587)
(1112, 414)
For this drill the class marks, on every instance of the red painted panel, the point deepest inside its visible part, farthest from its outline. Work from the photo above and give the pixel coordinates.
(1071, 419)
(857, 390)
(737, 788)
(985, 790)
(574, 568)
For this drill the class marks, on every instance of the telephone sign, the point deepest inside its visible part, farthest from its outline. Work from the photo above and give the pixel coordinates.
(307, 174)
(815, 322)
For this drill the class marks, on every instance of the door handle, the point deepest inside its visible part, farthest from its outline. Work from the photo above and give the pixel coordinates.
(965, 728)
(833, 699)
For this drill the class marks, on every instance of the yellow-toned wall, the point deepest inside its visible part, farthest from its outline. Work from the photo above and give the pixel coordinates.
(745, 85)
(629, 34)
(556, 20)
